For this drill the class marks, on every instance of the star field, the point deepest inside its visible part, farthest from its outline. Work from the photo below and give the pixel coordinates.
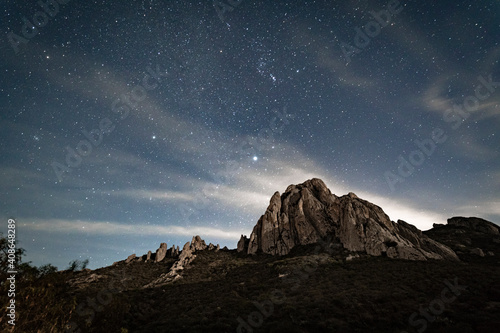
(126, 126)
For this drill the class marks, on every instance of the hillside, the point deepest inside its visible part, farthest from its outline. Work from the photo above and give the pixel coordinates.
(318, 286)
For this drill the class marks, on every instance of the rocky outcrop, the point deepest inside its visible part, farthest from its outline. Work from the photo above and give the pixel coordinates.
(198, 244)
(212, 247)
(477, 252)
(425, 245)
(83, 281)
(309, 212)
(475, 223)
(174, 251)
(187, 255)
(130, 258)
(243, 244)
(161, 252)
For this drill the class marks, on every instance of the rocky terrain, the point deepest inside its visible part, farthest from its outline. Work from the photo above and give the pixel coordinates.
(314, 262)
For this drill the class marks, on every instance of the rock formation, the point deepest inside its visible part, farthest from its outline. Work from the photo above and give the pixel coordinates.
(187, 255)
(212, 247)
(173, 252)
(309, 212)
(478, 252)
(475, 223)
(243, 244)
(161, 252)
(198, 244)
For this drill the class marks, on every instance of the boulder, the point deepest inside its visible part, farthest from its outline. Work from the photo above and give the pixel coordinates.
(130, 258)
(161, 252)
(83, 281)
(477, 252)
(350, 257)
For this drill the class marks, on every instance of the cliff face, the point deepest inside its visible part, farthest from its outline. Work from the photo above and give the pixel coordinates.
(309, 212)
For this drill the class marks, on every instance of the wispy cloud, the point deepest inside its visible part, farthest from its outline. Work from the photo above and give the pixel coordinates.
(473, 148)
(117, 228)
(153, 195)
(435, 97)
(481, 209)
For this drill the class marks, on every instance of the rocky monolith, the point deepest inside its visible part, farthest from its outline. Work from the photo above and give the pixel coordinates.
(309, 212)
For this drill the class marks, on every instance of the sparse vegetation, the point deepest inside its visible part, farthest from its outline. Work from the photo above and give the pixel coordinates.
(42, 301)
(373, 294)
(78, 265)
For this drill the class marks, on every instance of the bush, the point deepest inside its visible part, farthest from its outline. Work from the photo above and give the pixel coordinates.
(78, 265)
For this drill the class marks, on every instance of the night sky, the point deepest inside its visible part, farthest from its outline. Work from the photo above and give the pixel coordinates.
(128, 124)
